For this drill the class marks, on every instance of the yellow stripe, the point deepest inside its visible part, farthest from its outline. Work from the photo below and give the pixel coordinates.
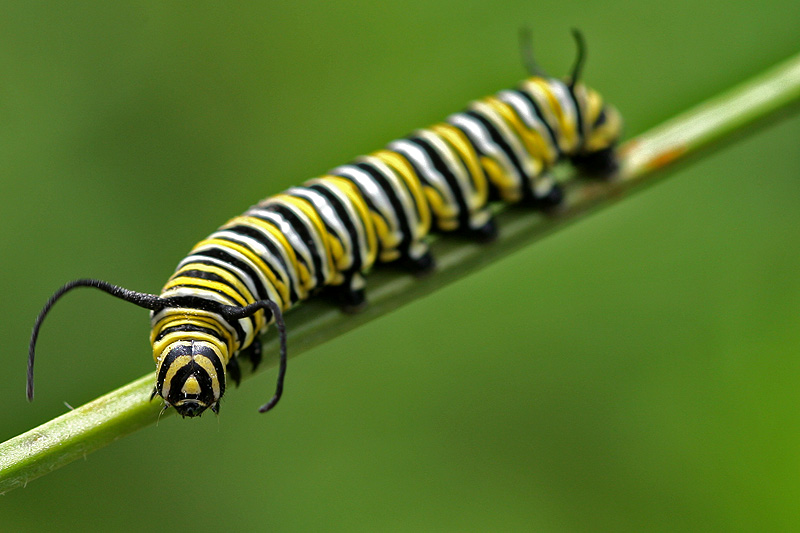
(456, 138)
(193, 318)
(279, 286)
(215, 286)
(313, 216)
(221, 272)
(362, 210)
(508, 187)
(567, 127)
(284, 245)
(594, 104)
(178, 363)
(206, 364)
(404, 169)
(532, 139)
(444, 211)
(552, 101)
(163, 324)
(181, 336)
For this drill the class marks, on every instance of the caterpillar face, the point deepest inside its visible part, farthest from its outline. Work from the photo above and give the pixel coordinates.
(602, 128)
(190, 377)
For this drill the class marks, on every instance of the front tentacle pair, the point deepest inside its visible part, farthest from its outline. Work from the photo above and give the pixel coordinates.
(155, 303)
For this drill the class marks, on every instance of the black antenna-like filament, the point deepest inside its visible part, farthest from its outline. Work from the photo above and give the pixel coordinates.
(242, 312)
(526, 51)
(156, 303)
(148, 301)
(580, 59)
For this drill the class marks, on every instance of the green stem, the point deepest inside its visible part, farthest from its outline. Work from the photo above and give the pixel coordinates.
(98, 423)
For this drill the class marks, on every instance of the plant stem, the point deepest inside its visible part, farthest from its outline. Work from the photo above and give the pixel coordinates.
(110, 417)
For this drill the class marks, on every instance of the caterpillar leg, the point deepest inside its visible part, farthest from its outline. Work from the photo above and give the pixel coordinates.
(350, 295)
(234, 371)
(553, 198)
(597, 164)
(545, 193)
(419, 259)
(487, 232)
(254, 353)
(419, 266)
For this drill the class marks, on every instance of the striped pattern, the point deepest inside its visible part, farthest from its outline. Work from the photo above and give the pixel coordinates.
(378, 208)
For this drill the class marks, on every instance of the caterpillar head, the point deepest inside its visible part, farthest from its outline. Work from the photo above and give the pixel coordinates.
(190, 377)
(601, 126)
(600, 123)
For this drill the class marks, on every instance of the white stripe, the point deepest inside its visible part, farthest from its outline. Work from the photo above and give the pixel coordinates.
(529, 117)
(289, 269)
(288, 231)
(568, 108)
(244, 278)
(272, 293)
(328, 214)
(483, 141)
(352, 214)
(367, 184)
(418, 156)
(536, 92)
(259, 249)
(401, 191)
(511, 138)
(453, 161)
(310, 227)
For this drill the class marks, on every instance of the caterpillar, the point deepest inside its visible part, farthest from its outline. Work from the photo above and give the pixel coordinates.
(324, 236)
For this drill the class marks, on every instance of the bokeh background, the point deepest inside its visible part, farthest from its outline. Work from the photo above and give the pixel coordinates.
(637, 370)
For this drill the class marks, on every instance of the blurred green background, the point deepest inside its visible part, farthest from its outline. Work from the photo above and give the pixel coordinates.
(638, 370)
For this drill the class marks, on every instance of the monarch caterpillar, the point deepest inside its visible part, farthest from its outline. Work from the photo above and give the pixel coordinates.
(327, 233)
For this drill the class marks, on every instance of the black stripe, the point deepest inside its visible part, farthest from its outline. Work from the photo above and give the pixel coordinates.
(196, 302)
(215, 360)
(397, 204)
(217, 252)
(189, 328)
(209, 276)
(274, 250)
(578, 118)
(402, 182)
(305, 234)
(199, 286)
(452, 180)
(195, 260)
(498, 138)
(538, 111)
(297, 226)
(176, 384)
(201, 274)
(601, 118)
(206, 394)
(371, 205)
(307, 198)
(350, 225)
